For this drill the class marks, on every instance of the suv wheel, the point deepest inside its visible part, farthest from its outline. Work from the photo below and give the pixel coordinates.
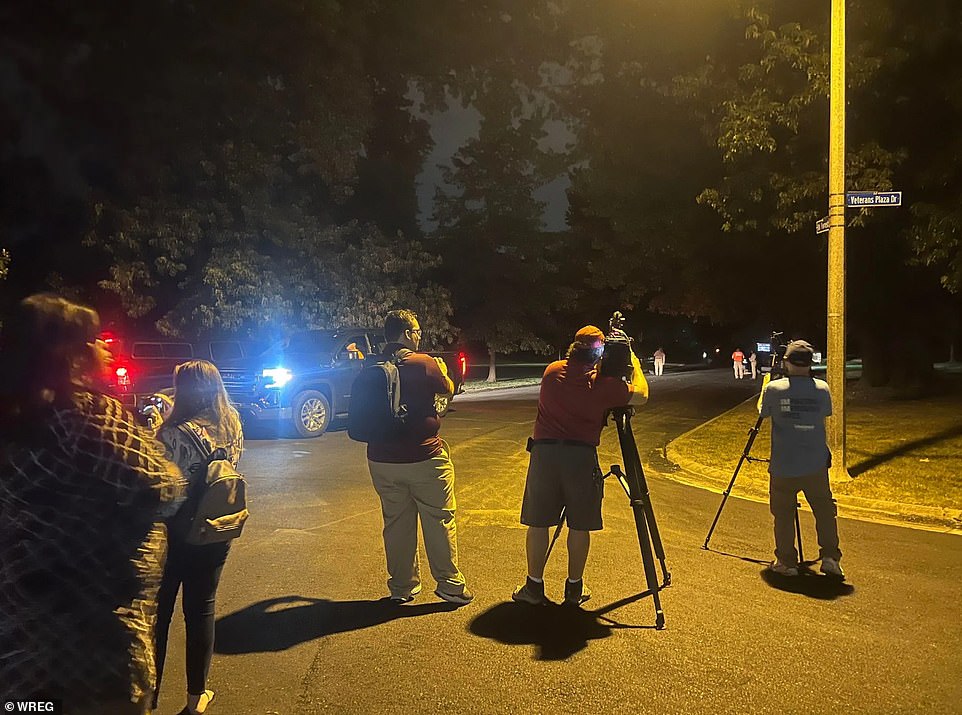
(311, 413)
(441, 404)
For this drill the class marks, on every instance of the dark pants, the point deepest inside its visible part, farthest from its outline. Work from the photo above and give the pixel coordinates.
(783, 496)
(198, 569)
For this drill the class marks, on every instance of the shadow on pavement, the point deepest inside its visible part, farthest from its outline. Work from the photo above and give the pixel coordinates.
(558, 632)
(865, 465)
(808, 583)
(277, 624)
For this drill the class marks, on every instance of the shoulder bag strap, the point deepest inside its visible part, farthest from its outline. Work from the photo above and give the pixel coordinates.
(197, 486)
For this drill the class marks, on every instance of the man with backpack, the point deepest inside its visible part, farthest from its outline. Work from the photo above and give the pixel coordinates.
(410, 464)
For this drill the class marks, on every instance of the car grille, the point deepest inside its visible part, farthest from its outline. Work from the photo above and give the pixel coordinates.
(239, 384)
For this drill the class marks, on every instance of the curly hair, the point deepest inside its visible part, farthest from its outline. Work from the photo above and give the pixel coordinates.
(46, 355)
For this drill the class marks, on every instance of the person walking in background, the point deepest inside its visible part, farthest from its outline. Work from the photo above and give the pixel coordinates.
(738, 363)
(201, 406)
(659, 361)
(798, 405)
(753, 361)
(84, 491)
(563, 475)
(413, 473)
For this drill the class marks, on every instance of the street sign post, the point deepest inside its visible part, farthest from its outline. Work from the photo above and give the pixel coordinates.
(822, 225)
(867, 199)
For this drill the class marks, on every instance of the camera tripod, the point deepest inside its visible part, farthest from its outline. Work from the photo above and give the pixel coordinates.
(746, 457)
(633, 481)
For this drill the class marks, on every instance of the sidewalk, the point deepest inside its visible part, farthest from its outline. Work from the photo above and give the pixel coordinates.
(905, 456)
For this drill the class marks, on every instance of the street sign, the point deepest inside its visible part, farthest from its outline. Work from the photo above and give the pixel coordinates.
(864, 199)
(821, 226)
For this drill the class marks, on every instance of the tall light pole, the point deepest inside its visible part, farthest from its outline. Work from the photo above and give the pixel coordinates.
(836, 245)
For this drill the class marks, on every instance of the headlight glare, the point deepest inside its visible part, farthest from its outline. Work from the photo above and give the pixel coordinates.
(278, 376)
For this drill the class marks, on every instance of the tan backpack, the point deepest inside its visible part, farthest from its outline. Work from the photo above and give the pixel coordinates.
(216, 506)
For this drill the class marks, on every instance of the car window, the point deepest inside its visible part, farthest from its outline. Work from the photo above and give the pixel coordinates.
(225, 350)
(310, 341)
(147, 350)
(355, 349)
(253, 348)
(180, 351)
(376, 343)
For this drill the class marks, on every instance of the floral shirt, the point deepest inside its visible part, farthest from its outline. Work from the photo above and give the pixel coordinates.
(81, 555)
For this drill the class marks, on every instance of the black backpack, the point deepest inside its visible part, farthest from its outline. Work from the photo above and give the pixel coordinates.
(376, 413)
(216, 505)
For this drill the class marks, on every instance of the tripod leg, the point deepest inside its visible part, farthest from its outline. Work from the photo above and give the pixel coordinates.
(630, 453)
(798, 535)
(632, 466)
(649, 516)
(752, 433)
(557, 533)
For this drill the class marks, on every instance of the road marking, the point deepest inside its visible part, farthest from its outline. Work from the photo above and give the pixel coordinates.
(346, 518)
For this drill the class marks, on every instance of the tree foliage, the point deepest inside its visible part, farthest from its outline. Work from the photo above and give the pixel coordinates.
(234, 159)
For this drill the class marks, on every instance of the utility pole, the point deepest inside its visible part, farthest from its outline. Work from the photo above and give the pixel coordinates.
(836, 245)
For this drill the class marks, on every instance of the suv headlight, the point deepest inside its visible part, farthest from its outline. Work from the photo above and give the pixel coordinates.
(278, 376)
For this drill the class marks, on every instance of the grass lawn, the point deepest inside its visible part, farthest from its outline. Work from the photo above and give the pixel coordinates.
(905, 452)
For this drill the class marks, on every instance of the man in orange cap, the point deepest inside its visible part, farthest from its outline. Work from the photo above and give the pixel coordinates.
(563, 471)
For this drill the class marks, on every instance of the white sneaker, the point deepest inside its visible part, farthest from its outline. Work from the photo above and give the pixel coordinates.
(783, 569)
(831, 567)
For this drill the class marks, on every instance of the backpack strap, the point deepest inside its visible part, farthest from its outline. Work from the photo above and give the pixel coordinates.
(191, 431)
(400, 355)
(196, 487)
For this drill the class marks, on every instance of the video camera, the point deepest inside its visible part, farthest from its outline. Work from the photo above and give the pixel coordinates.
(771, 355)
(616, 359)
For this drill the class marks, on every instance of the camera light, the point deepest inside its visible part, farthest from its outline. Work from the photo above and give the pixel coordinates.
(279, 376)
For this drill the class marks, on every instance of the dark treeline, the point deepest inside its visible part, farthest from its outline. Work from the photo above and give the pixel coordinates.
(249, 167)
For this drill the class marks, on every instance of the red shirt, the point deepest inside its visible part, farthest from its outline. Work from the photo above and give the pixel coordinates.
(421, 380)
(574, 399)
(738, 356)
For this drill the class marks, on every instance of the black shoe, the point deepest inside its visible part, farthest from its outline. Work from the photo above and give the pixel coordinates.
(531, 592)
(401, 598)
(460, 599)
(576, 593)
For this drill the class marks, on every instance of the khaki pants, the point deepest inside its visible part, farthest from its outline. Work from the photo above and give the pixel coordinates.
(783, 495)
(408, 491)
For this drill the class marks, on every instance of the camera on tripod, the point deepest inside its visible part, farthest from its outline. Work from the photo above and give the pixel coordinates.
(771, 355)
(616, 359)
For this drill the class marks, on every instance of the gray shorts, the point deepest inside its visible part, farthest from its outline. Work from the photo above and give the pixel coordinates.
(566, 476)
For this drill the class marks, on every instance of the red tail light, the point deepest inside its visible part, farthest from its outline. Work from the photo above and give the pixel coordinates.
(463, 363)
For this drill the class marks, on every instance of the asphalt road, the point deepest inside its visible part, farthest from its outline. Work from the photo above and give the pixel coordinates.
(302, 627)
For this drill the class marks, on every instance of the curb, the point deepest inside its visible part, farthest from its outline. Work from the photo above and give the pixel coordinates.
(914, 516)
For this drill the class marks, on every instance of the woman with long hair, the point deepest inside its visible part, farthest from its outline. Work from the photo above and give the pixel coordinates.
(201, 415)
(83, 492)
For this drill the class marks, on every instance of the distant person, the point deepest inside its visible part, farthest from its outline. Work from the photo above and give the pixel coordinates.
(659, 361)
(414, 476)
(563, 470)
(753, 361)
(83, 491)
(798, 405)
(200, 405)
(738, 363)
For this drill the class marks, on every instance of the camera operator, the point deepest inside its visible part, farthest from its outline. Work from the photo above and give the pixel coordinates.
(798, 405)
(563, 471)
